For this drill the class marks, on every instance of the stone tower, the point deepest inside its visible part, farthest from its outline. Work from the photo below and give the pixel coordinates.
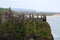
(41, 15)
(37, 15)
(10, 13)
(44, 17)
(7, 15)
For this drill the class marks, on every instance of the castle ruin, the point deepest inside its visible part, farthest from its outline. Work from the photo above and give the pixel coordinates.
(10, 15)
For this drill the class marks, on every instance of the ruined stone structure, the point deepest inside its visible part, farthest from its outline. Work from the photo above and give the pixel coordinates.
(32, 17)
(6, 15)
(9, 15)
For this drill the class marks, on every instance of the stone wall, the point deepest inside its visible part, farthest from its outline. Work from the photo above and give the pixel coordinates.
(9, 15)
(31, 17)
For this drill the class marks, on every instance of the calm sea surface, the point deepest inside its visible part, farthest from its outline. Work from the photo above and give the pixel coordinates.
(54, 22)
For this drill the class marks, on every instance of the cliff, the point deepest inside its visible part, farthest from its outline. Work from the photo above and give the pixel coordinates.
(25, 30)
(38, 30)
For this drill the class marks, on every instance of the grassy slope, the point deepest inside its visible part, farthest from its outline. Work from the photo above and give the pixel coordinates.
(3, 9)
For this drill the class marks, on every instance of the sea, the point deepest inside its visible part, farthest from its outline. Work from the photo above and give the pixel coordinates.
(54, 22)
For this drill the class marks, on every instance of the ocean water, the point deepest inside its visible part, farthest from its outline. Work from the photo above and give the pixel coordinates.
(54, 22)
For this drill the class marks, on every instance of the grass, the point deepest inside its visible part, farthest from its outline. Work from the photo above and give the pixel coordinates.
(4, 9)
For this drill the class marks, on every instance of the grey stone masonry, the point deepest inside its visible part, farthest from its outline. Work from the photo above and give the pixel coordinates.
(9, 15)
(32, 17)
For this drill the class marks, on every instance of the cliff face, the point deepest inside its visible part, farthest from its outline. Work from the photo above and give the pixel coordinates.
(25, 30)
(37, 30)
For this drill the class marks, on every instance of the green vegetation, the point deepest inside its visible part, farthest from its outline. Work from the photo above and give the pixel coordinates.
(4, 9)
(19, 30)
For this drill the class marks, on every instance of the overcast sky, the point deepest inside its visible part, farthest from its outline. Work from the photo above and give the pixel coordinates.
(40, 5)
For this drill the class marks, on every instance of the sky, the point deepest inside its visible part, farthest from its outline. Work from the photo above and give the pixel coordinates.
(40, 5)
